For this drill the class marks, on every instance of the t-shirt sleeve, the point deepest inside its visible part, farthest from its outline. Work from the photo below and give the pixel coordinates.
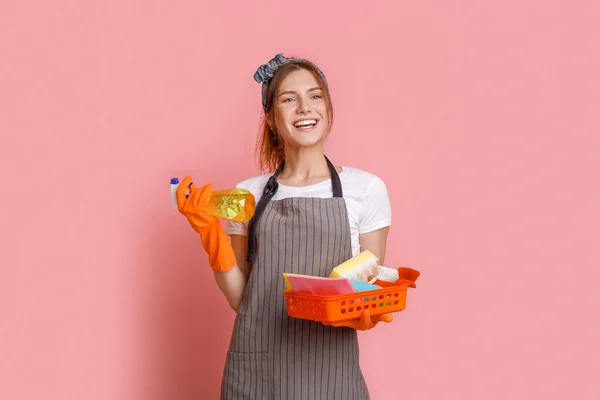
(376, 210)
(236, 228)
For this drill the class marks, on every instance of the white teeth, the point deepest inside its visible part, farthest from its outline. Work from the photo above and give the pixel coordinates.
(306, 122)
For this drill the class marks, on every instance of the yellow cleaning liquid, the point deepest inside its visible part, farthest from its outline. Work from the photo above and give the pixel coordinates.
(232, 204)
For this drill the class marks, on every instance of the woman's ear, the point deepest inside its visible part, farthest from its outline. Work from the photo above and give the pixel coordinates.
(270, 122)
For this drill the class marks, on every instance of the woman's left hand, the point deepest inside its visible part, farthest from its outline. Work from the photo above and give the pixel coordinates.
(364, 322)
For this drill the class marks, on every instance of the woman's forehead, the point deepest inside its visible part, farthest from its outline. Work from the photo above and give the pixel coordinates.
(300, 80)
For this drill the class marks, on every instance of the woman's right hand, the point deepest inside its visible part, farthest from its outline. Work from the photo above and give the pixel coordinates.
(193, 207)
(221, 256)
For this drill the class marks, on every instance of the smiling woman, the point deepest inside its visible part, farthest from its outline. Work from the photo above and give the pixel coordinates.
(310, 217)
(305, 86)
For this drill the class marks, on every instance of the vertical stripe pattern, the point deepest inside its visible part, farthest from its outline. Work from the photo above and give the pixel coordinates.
(273, 356)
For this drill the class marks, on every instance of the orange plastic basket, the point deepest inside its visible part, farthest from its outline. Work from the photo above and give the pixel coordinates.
(347, 306)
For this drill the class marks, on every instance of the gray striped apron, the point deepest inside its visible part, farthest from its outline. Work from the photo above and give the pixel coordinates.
(272, 356)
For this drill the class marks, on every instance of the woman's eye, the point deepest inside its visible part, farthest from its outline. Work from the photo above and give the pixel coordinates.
(287, 100)
(316, 96)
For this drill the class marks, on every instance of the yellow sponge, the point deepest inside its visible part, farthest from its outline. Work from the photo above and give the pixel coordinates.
(358, 268)
(288, 285)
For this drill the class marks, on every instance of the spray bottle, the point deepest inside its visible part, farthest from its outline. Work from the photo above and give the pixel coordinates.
(232, 204)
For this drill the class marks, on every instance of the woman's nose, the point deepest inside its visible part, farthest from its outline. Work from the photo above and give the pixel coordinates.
(303, 107)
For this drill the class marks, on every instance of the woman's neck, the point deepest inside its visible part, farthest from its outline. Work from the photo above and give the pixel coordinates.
(304, 166)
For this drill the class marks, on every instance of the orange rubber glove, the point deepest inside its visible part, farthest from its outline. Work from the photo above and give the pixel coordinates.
(364, 323)
(214, 240)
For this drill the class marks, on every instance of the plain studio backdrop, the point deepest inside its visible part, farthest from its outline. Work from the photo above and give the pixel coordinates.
(481, 117)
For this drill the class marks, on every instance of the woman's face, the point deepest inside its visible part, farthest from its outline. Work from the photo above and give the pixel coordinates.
(302, 118)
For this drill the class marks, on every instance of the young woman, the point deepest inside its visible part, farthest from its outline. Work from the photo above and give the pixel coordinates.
(311, 216)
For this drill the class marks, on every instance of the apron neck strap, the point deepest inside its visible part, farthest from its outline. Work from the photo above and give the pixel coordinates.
(269, 191)
(336, 184)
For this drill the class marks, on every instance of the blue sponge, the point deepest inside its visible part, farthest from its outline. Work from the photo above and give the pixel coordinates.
(361, 286)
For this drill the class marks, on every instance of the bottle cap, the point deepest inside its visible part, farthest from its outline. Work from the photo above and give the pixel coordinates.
(174, 181)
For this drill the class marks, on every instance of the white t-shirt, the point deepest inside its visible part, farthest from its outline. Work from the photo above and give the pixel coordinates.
(365, 194)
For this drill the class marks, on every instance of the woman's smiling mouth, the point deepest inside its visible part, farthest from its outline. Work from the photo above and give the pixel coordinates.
(306, 125)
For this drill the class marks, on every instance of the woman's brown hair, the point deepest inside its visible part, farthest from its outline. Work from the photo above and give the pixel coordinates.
(270, 146)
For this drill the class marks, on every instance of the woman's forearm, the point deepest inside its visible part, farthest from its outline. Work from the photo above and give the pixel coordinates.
(232, 284)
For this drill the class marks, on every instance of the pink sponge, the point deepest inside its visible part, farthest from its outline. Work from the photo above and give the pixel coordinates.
(319, 285)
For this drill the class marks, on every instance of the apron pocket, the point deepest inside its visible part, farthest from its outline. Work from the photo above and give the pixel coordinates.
(246, 376)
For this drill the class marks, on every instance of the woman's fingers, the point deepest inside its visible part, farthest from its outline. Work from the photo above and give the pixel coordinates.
(383, 317)
(199, 197)
(206, 192)
(365, 319)
(386, 317)
(180, 194)
(194, 199)
(364, 322)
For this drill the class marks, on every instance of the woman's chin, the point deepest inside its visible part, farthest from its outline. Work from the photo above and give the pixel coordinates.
(307, 139)
(308, 142)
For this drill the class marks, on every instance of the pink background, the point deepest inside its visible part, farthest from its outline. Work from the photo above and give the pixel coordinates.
(481, 118)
